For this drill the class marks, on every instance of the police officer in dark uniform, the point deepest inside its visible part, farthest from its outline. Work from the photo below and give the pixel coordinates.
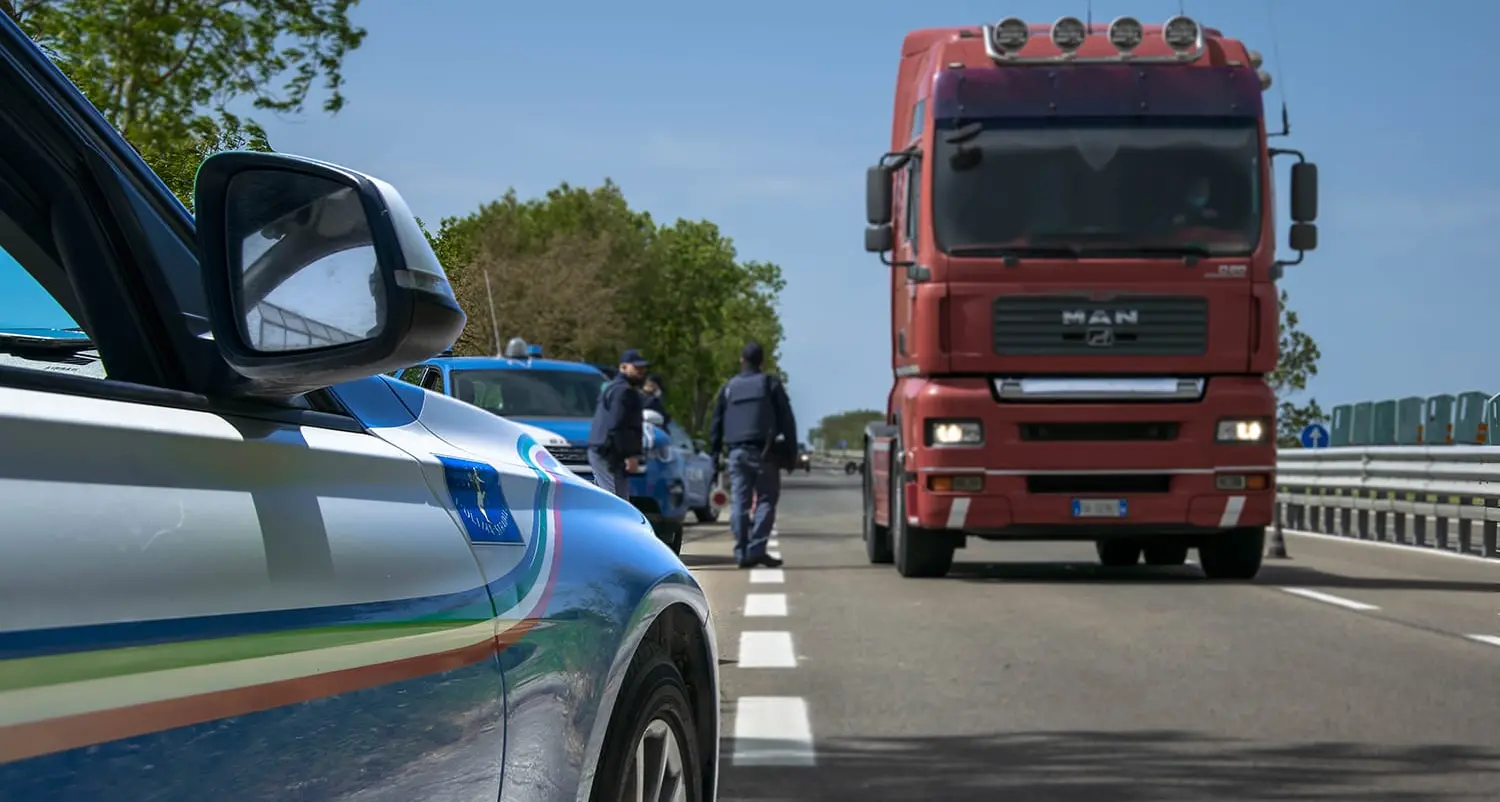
(615, 438)
(753, 417)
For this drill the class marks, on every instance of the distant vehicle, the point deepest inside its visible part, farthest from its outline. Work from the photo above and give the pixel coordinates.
(1081, 225)
(240, 565)
(560, 396)
(804, 458)
(698, 475)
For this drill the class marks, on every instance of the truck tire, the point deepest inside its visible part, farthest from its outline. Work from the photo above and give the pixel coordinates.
(1235, 554)
(877, 537)
(1117, 553)
(1166, 554)
(918, 552)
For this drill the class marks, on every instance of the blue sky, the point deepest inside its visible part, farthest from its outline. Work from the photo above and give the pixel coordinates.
(762, 117)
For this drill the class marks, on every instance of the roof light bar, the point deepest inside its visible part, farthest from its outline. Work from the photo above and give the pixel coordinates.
(1069, 34)
(1183, 34)
(1126, 34)
(1184, 37)
(1008, 36)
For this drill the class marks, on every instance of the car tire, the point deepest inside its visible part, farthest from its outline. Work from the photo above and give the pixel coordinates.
(1233, 555)
(706, 515)
(654, 719)
(1165, 554)
(670, 533)
(1117, 553)
(919, 553)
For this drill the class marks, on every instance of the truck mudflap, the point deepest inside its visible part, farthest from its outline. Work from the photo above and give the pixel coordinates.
(1043, 516)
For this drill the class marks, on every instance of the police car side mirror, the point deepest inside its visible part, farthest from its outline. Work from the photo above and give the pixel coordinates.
(315, 274)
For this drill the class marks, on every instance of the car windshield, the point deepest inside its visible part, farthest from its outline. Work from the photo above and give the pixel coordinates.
(531, 393)
(1105, 188)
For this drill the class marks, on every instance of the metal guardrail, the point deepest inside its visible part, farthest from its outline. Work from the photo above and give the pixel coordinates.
(1439, 497)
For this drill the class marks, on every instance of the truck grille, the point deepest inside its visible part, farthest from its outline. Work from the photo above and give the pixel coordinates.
(569, 455)
(1098, 432)
(1126, 325)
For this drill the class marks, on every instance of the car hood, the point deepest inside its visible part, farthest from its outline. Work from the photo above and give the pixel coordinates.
(78, 363)
(576, 430)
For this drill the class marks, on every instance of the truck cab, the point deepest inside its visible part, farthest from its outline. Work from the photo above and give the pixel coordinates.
(1079, 225)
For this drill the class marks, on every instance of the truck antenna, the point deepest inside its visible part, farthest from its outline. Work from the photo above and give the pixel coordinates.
(1286, 119)
(1090, 17)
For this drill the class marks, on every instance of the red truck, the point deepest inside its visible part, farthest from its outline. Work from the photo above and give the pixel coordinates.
(1080, 225)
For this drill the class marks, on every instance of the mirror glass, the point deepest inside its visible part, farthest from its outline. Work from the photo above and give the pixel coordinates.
(305, 265)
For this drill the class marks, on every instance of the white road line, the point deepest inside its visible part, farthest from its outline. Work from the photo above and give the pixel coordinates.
(1493, 640)
(767, 576)
(765, 605)
(1329, 598)
(767, 650)
(773, 731)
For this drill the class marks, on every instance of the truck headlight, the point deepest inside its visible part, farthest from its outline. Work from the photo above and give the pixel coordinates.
(1242, 430)
(954, 433)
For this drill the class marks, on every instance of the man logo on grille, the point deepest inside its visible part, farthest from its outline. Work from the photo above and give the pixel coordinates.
(1101, 317)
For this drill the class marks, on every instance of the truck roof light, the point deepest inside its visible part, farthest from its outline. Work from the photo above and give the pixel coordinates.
(1255, 60)
(1068, 34)
(1182, 34)
(1265, 80)
(1126, 33)
(1010, 35)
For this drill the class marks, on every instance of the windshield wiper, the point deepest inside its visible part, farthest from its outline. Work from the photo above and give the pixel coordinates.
(18, 341)
(1190, 254)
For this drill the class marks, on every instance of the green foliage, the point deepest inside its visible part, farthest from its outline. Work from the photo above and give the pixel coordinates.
(584, 275)
(845, 426)
(164, 71)
(1298, 363)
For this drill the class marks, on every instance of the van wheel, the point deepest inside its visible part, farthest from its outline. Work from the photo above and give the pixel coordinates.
(651, 750)
(1235, 554)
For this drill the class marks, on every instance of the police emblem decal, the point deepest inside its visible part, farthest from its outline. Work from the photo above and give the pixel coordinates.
(475, 488)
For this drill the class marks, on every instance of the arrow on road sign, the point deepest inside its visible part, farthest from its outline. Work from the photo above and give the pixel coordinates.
(1315, 435)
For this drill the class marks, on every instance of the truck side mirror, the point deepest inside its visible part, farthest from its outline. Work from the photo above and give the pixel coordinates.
(878, 195)
(1303, 237)
(1304, 194)
(879, 239)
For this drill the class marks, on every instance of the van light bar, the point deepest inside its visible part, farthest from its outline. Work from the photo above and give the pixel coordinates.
(1004, 41)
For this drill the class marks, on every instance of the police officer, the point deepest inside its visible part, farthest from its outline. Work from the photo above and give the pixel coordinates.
(615, 438)
(753, 417)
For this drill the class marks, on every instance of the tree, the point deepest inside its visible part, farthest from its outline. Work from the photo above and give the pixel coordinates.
(1297, 364)
(847, 427)
(164, 72)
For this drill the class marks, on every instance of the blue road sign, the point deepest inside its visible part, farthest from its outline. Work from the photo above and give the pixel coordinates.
(1315, 436)
(843, 444)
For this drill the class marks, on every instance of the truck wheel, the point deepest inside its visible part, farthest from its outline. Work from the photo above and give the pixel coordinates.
(1235, 554)
(1117, 553)
(877, 537)
(1166, 555)
(918, 552)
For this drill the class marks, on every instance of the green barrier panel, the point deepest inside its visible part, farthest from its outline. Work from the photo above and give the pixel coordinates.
(1468, 419)
(1343, 424)
(1491, 416)
(1437, 425)
(1409, 419)
(1359, 432)
(1383, 423)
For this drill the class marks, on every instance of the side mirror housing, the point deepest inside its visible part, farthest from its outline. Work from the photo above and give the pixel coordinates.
(315, 274)
(1303, 237)
(878, 196)
(1304, 192)
(879, 239)
(654, 418)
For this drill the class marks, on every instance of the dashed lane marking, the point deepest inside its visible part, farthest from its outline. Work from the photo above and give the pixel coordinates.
(767, 650)
(1493, 640)
(773, 731)
(765, 605)
(767, 576)
(1329, 598)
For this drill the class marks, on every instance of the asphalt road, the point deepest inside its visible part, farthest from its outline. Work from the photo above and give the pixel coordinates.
(1348, 672)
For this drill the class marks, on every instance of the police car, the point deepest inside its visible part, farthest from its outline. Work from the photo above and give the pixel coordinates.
(239, 564)
(560, 396)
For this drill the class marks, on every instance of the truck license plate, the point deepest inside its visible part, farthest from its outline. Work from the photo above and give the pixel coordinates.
(1098, 508)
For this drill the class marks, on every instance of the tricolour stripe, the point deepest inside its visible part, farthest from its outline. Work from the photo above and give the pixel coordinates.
(39, 720)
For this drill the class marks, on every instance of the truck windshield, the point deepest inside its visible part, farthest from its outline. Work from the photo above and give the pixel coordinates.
(1080, 189)
(530, 393)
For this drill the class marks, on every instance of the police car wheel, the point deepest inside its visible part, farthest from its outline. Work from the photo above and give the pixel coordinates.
(652, 744)
(671, 534)
(706, 515)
